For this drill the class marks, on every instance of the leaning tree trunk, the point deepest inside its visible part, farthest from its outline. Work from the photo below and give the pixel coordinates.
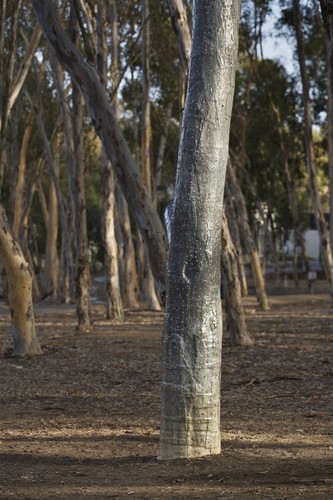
(236, 240)
(111, 136)
(248, 239)
(237, 327)
(19, 278)
(192, 335)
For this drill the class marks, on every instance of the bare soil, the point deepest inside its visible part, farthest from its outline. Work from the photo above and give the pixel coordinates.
(82, 419)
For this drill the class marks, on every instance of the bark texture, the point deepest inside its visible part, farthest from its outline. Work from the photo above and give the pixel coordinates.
(247, 237)
(19, 278)
(192, 336)
(236, 325)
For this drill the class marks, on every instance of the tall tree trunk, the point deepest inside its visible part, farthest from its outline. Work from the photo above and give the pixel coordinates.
(19, 187)
(66, 234)
(327, 13)
(51, 251)
(114, 305)
(192, 335)
(325, 247)
(247, 236)
(236, 239)
(298, 236)
(111, 135)
(145, 118)
(67, 222)
(19, 278)
(82, 275)
(147, 283)
(129, 284)
(161, 152)
(237, 328)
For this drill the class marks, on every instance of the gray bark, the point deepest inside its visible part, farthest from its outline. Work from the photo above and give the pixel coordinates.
(192, 335)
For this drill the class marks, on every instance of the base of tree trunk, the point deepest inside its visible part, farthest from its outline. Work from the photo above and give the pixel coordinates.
(24, 347)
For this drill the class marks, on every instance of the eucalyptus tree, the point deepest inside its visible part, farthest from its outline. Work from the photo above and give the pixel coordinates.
(16, 56)
(192, 335)
(237, 325)
(147, 283)
(108, 129)
(114, 304)
(19, 279)
(327, 18)
(325, 247)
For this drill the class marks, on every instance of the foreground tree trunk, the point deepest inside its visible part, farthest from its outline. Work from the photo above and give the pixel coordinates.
(192, 336)
(19, 278)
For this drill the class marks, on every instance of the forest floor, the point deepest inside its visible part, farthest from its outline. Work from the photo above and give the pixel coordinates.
(82, 419)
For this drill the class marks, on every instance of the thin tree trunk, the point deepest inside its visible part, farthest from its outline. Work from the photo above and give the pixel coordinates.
(192, 335)
(237, 328)
(236, 239)
(248, 239)
(19, 278)
(161, 151)
(82, 274)
(298, 236)
(325, 247)
(51, 252)
(19, 187)
(114, 305)
(67, 222)
(327, 13)
(147, 279)
(129, 282)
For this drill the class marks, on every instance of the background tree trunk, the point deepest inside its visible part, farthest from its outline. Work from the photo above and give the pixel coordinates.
(325, 247)
(247, 236)
(19, 278)
(237, 328)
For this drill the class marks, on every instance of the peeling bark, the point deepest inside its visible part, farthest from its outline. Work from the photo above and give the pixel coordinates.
(19, 278)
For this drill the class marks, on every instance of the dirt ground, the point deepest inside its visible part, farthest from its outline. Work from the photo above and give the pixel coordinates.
(82, 419)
